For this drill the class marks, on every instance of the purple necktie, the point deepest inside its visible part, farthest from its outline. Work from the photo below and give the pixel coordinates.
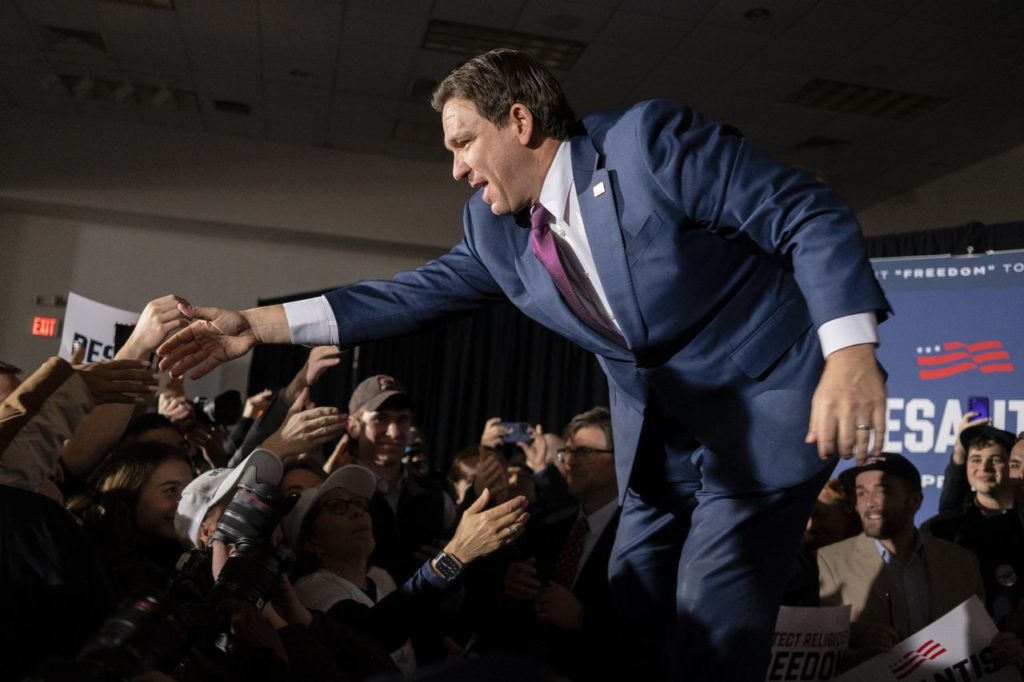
(542, 241)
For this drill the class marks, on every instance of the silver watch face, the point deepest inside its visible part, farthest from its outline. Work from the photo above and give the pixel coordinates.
(448, 567)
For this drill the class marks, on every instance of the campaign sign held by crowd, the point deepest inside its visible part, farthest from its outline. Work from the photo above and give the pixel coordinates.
(809, 643)
(955, 648)
(93, 324)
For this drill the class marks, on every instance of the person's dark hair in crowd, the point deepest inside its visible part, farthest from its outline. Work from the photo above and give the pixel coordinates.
(301, 474)
(131, 515)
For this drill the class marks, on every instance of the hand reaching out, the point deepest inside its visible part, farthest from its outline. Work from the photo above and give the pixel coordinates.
(305, 429)
(216, 335)
(115, 381)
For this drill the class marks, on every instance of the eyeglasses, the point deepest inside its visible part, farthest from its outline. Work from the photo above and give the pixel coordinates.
(341, 506)
(583, 451)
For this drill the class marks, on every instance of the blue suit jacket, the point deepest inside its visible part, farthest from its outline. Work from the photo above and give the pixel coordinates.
(718, 262)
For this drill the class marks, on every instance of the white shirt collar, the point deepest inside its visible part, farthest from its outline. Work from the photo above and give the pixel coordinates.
(554, 193)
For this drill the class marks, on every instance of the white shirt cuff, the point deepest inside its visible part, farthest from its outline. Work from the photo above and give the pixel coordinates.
(849, 330)
(311, 322)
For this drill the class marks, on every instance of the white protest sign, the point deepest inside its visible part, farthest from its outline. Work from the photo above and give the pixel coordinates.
(809, 643)
(92, 323)
(955, 648)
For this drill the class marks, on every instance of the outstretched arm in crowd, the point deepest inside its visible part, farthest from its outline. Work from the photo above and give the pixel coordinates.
(40, 414)
(97, 434)
(218, 335)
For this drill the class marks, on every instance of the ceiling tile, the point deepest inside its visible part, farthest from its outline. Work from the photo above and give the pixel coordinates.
(227, 24)
(380, 27)
(837, 26)
(974, 14)
(309, 27)
(604, 78)
(14, 31)
(149, 22)
(910, 40)
(75, 14)
(560, 19)
(297, 114)
(783, 14)
(800, 58)
(148, 55)
(641, 32)
(680, 79)
(476, 13)
(687, 13)
(721, 45)
(362, 115)
(988, 51)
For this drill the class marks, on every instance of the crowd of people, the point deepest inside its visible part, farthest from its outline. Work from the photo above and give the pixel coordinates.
(143, 538)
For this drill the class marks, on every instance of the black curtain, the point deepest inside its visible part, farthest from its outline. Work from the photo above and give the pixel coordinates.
(498, 362)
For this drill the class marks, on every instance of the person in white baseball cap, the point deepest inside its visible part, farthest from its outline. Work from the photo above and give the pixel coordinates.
(207, 496)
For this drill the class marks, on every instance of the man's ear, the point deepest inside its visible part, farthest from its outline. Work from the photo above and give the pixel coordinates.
(521, 119)
(354, 427)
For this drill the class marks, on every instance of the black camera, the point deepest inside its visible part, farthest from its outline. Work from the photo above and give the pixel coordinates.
(254, 566)
(145, 633)
(253, 513)
(225, 409)
(252, 574)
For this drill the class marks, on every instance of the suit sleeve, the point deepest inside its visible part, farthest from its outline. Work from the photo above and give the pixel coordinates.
(455, 283)
(723, 183)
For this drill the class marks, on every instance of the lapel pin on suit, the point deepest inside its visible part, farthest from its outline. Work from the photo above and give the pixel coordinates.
(598, 189)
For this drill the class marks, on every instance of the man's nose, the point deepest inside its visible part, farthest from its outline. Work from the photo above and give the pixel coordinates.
(459, 169)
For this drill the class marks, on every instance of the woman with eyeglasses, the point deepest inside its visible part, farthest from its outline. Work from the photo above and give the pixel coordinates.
(332, 535)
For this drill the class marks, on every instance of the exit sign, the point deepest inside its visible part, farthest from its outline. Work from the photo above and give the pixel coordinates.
(44, 326)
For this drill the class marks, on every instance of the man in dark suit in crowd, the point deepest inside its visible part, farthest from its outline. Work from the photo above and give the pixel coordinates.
(727, 297)
(565, 577)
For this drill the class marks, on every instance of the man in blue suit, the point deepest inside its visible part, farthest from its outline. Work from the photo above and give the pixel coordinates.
(726, 296)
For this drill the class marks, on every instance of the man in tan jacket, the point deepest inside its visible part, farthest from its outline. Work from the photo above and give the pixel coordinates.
(896, 580)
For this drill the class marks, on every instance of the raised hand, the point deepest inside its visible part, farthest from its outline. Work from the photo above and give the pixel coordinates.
(216, 335)
(159, 318)
(118, 381)
(320, 360)
(482, 530)
(305, 429)
(493, 433)
(538, 455)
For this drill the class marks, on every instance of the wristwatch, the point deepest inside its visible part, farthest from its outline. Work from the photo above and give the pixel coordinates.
(446, 566)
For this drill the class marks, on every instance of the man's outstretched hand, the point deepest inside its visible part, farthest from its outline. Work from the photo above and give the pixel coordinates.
(215, 335)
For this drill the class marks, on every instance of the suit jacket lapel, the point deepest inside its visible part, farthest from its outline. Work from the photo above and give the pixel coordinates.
(537, 282)
(596, 192)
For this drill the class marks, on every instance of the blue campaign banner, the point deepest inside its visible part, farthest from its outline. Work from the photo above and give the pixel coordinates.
(957, 330)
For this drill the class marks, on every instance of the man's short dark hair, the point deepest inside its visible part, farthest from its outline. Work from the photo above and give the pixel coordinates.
(981, 436)
(597, 417)
(495, 80)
